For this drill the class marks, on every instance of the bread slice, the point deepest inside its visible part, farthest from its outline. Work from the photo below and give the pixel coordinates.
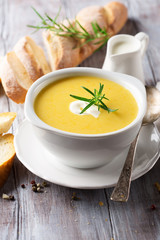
(1, 59)
(6, 120)
(32, 57)
(15, 79)
(7, 154)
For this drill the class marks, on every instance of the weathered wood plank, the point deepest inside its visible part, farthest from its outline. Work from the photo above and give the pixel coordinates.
(52, 215)
(147, 19)
(136, 219)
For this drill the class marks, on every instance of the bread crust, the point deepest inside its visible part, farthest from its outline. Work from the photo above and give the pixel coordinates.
(116, 14)
(6, 166)
(25, 55)
(1, 59)
(9, 82)
(62, 52)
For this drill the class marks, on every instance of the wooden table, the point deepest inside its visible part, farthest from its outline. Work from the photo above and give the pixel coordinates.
(52, 215)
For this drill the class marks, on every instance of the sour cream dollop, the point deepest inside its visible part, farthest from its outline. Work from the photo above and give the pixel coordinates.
(77, 106)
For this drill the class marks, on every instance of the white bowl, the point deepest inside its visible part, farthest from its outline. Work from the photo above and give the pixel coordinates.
(86, 150)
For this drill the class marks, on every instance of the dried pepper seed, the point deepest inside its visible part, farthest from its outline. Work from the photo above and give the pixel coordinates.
(34, 189)
(101, 204)
(74, 197)
(34, 185)
(153, 207)
(11, 197)
(33, 182)
(23, 186)
(38, 189)
(45, 184)
(157, 186)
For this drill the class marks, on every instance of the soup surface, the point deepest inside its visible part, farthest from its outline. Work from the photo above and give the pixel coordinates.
(52, 106)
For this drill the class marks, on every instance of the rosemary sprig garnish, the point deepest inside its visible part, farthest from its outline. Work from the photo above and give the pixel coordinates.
(95, 100)
(74, 30)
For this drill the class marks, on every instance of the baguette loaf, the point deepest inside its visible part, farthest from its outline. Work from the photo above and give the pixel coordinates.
(21, 67)
(62, 51)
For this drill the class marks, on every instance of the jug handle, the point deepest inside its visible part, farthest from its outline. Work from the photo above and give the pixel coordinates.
(144, 39)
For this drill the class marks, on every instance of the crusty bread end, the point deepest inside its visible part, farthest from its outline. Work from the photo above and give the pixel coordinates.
(32, 57)
(10, 84)
(7, 154)
(117, 15)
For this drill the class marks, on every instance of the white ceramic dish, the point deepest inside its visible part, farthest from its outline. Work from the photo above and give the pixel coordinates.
(86, 150)
(125, 52)
(41, 162)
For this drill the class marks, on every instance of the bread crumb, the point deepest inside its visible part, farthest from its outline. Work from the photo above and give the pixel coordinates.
(101, 204)
(157, 186)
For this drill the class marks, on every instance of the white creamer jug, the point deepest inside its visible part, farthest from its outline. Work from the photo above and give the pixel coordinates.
(124, 54)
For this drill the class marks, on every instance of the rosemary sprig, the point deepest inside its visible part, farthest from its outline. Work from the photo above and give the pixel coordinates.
(76, 30)
(95, 100)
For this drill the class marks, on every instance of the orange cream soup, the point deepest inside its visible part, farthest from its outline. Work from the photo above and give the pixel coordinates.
(52, 106)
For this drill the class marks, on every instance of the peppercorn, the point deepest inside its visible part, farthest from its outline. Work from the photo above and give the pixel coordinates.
(45, 184)
(34, 189)
(153, 207)
(38, 189)
(33, 182)
(11, 197)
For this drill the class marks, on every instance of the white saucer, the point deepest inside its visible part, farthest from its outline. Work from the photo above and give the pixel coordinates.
(39, 161)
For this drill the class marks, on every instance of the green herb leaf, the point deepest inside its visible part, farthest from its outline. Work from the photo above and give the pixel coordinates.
(88, 106)
(95, 100)
(80, 98)
(88, 90)
(76, 30)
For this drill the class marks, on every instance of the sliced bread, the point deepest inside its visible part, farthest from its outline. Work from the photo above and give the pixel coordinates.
(32, 57)
(15, 79)
(7, 154)
(6, 120)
